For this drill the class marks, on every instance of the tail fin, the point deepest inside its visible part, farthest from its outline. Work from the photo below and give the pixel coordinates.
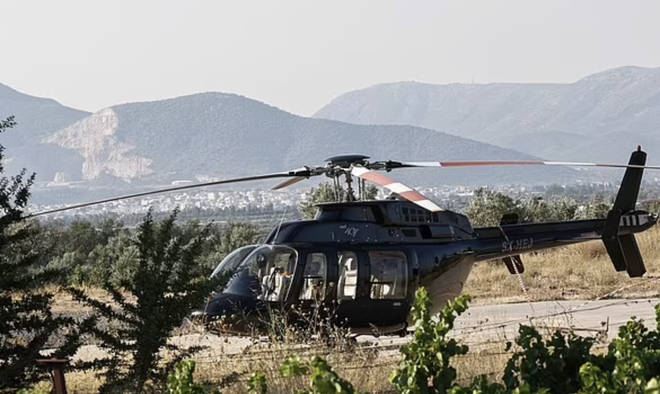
(623, 249)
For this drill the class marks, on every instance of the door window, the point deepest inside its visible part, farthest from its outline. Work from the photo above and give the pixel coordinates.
(348, 275)
(389, 275)
(314, 277)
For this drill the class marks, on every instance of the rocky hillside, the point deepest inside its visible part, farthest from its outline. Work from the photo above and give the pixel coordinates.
(37, 118)
(601, 117)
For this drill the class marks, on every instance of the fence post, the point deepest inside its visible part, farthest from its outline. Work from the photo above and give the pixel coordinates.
(57, 366)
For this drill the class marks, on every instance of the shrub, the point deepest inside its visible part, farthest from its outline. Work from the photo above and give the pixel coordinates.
(323, 380)
(257, 383)
(426, 359)
(26, 320)
(181, 381)
(162, 289)
(636, 366)
(553, 364)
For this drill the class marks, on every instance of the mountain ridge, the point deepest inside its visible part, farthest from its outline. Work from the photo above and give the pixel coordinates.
(621, 101)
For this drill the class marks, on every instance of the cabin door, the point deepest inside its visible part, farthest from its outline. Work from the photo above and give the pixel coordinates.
(389, 283)
(351, 288)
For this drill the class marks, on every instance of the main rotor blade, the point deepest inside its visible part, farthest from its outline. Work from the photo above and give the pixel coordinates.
(397, 187)
(413, 164)
(289, 182)
(300, 172)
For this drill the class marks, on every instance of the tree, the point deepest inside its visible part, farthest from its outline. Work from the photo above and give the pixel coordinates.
(227, 239)
(26, 320)
(596, 209)
(326, 192)
(167, 282)
(536, 209)
(487, 207)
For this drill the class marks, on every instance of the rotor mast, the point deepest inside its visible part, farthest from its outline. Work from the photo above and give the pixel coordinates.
(343, 165)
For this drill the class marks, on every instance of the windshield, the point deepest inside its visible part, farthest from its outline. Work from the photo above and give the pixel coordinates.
(267, 271)
(233, 259)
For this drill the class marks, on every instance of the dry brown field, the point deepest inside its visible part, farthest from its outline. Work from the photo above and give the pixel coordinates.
(580, 271)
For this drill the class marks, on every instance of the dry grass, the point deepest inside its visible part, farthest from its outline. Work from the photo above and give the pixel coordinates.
(582, 271)
(366, 368)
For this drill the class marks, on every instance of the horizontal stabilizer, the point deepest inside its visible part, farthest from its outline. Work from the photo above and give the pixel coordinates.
(634, 261)
(615, 251)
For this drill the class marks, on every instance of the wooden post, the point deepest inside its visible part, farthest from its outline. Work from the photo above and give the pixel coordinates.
(57, 366)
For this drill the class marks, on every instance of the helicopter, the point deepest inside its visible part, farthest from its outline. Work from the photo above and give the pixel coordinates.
(364, 259)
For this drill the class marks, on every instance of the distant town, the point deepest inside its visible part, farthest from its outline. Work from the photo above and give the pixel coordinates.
(259, 205)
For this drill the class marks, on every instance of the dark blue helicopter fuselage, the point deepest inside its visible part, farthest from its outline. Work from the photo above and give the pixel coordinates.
(439, 250)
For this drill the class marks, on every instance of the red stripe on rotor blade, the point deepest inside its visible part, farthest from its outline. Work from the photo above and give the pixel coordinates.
(487, 163)
(377, 178)
(413, 196)
(289, 182)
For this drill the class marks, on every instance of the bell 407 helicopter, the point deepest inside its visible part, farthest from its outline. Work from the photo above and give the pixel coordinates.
(365, 259)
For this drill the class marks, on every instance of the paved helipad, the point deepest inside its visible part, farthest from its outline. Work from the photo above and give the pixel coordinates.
(602, 316)
(479, 325)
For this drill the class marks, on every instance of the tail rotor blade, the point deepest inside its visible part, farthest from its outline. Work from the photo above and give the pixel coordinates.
(397, 187)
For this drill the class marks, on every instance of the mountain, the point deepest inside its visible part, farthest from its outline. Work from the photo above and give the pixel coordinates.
(37, 118)
(601, 117)
(215, 135)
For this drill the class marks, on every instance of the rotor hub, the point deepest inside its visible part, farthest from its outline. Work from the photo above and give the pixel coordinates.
(346, 161)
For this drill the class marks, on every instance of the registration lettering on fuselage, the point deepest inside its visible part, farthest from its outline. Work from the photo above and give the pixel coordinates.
(517, 244)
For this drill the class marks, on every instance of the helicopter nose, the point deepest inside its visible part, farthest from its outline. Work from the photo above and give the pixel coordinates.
(226, 304)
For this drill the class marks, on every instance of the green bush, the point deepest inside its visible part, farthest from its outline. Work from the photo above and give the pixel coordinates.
(26, 320)
(322, 379)
(257, 383)
(636, 366)
(181, 381)
(553, 364)
(162, 289)
(426, 359)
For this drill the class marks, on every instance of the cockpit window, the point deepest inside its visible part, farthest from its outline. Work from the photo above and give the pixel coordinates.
(233, 259)
(314, 277)
(272, 268)
(348, 275)
(389, 274)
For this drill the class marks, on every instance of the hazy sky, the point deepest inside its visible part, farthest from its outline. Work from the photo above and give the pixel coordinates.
(298, 55)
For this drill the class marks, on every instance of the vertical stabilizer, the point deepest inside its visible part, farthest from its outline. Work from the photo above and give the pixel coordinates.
(623, 249)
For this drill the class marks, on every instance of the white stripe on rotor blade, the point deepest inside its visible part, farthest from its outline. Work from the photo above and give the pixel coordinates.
(398, 188)
(569, 163)
(359, 171)
(428, 204)
(423, 163)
